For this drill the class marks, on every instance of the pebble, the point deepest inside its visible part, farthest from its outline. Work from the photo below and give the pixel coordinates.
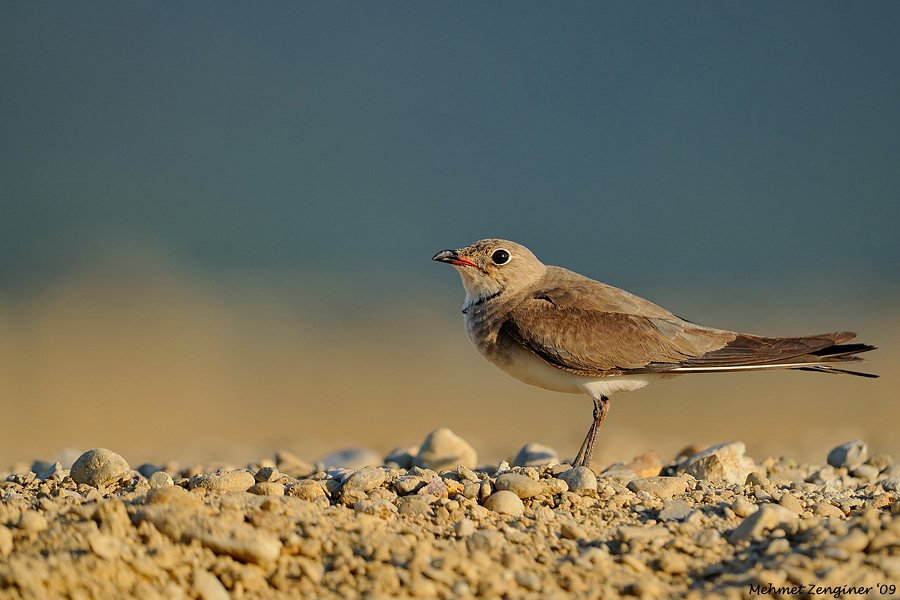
(674, 510)
(521, 486)
(160, 479)
(99, 467)
(148, 469)
(443, 449)
(105, 546)
(581, 481)
(646, 465)
(53, 472)
(880, 461)
(855, 541)
(766, 518)
(208, 586)
(661, 487)
(267, 474)
(849, 455)
(363, 480)
(891, 484)
(505, 503)
(743, 507)
(306, 489)
(436, 487)
(825, 509)
(227, 481)
(415, 505)
(267, 488)
(725, 462)
(536, 455)
(619, 473)
(572, 531)
(791, 503)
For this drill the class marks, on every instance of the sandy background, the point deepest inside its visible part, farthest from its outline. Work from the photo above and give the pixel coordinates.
(159, 361)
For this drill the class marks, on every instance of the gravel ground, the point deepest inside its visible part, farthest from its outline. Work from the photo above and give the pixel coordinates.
(429, 522)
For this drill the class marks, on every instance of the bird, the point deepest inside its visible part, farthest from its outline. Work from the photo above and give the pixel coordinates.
(555, 329)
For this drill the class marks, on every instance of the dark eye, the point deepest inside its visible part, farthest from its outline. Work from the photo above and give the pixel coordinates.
(500, 256)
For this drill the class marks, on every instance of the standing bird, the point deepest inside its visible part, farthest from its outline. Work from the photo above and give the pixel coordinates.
(561, 331)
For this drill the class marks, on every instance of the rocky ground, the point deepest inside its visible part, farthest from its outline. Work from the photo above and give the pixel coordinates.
(427, 523)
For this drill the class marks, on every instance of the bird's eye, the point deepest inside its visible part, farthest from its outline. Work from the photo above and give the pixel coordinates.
(500, 256)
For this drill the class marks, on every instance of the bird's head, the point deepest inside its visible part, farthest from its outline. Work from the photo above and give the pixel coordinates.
(490, 267)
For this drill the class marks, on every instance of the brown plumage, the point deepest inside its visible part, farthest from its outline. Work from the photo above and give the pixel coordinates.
(556, 329)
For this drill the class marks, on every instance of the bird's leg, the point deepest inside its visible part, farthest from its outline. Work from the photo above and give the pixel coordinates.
(586, 453)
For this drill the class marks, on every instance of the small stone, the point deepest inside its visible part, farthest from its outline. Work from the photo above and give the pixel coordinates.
(267, 488)
(505, 503)
(756, 479)
(443, 449)
(402, 457)
(769, 516)
(436, 487)
(227, 481)
(553, 486)
(466, 474)
(824, 509)
(661, 487)
(646, 465)
(148, 469)
(470, 490)
(581, 481)
(99, 467)
(572, 531)
(208, 586)
(791, 503)
(865, 472)
(620, 473)
(521, 486)
(54, 472)
(464, 528)
(725, 462)
(267, 474)
(306, 489)
(891, 484)
(743, 507)
(849, 455)
(674, 510)
(32, 522)
(363, 480)
(160, 479)
(880, 461)
(375, 506)
(536, 455)
(415, 506)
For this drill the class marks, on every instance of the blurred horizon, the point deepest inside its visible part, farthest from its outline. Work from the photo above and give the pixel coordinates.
(216, 220)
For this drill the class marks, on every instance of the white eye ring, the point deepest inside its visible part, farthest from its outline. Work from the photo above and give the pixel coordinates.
(500, 256)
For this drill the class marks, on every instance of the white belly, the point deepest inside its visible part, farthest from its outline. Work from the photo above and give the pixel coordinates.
(526, 366)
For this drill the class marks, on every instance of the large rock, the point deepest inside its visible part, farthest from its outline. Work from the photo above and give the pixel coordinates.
(443, 449)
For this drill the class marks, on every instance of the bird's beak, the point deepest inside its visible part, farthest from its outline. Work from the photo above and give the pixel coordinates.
(452, 257)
